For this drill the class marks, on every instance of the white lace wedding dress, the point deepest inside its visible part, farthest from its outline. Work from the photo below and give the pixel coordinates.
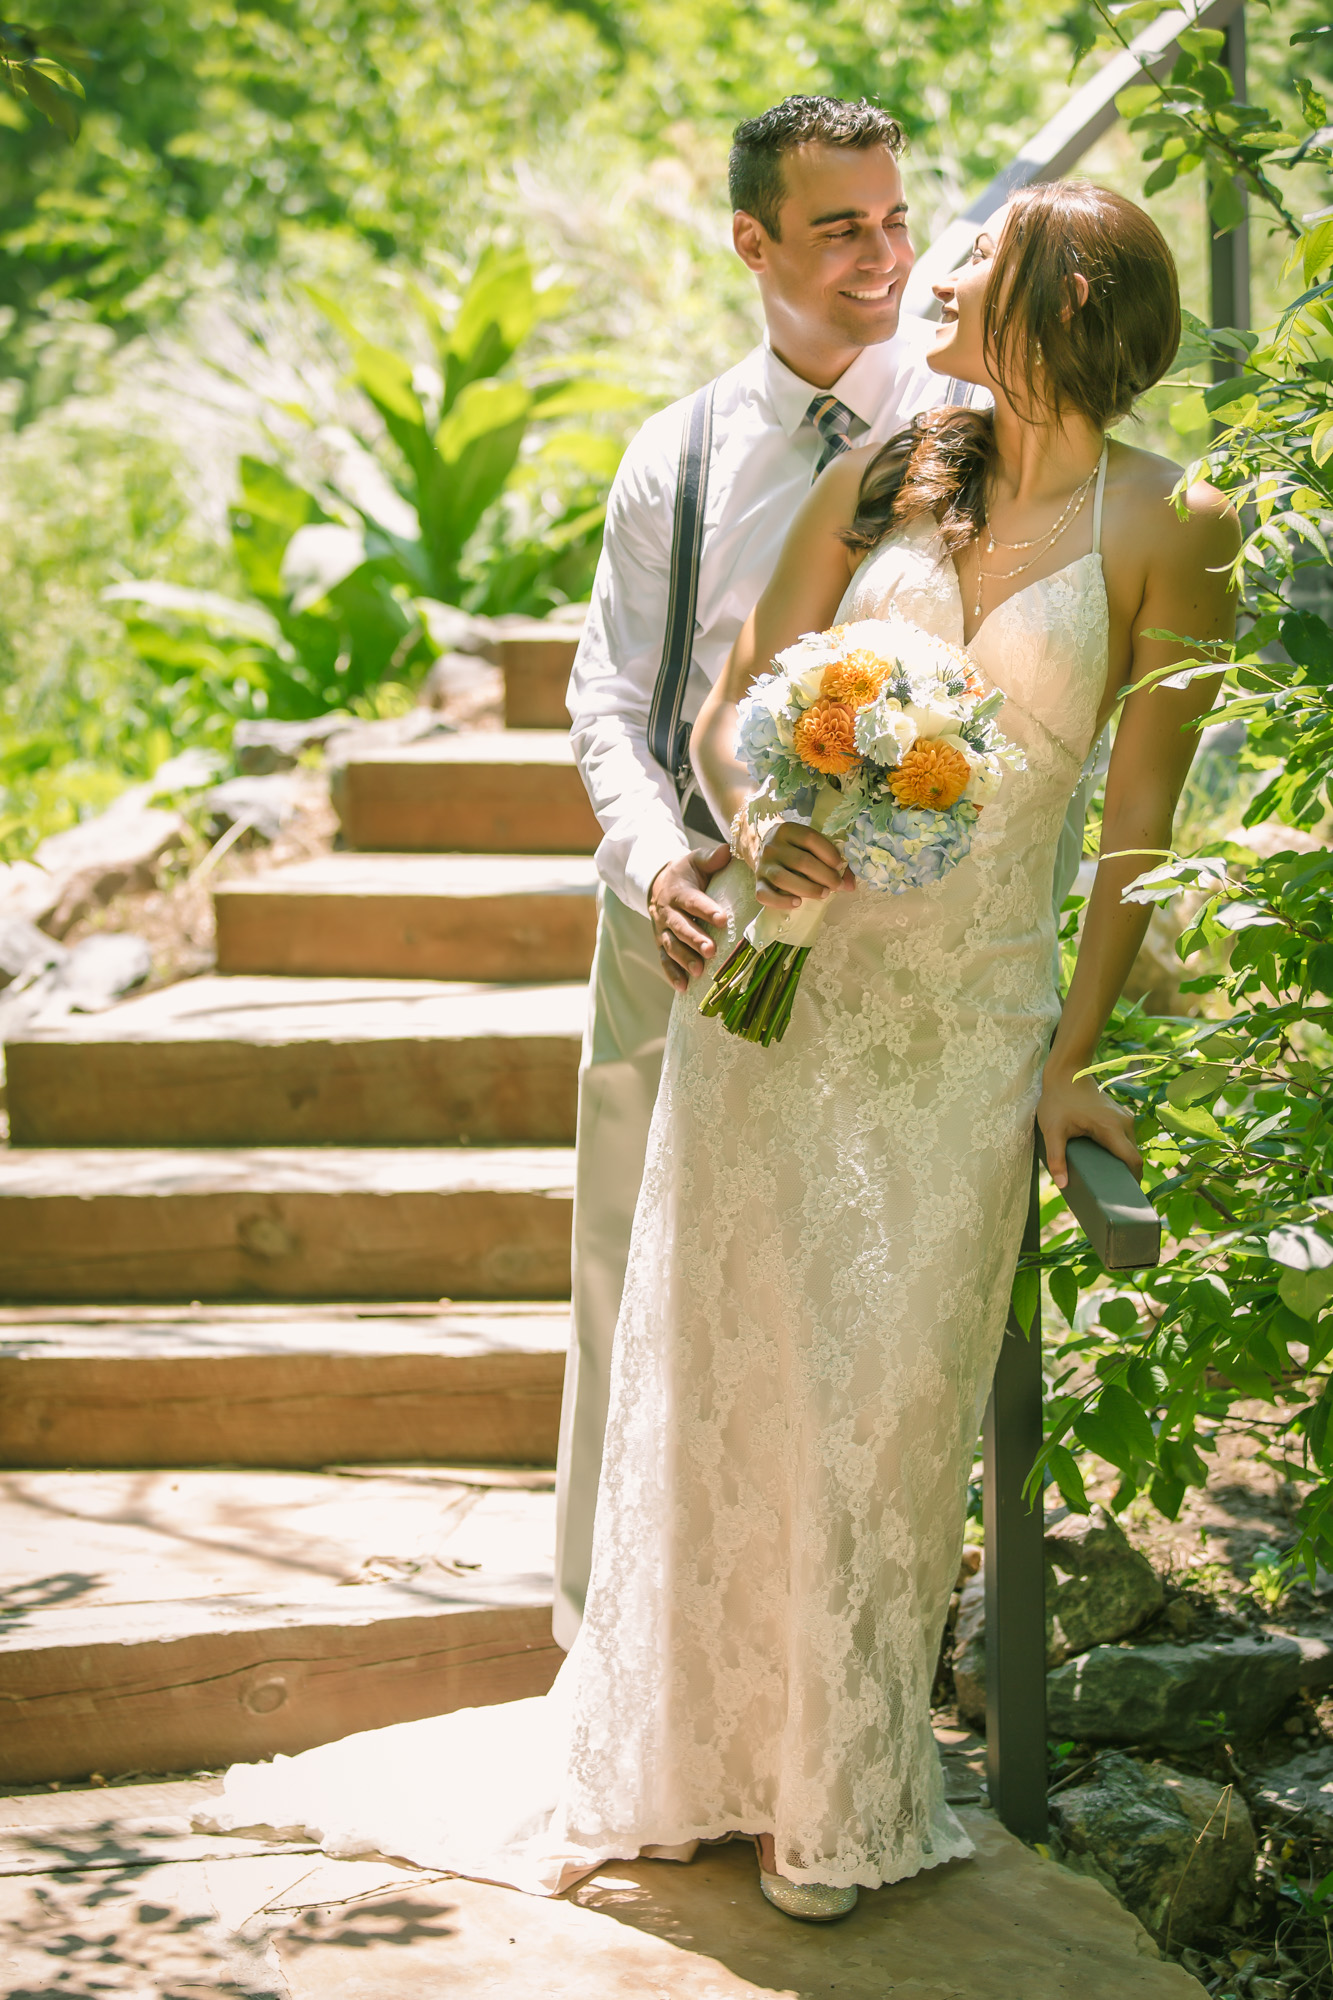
(816, 1293)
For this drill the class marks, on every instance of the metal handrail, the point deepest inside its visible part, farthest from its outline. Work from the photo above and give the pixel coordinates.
(1102, 1194)
(1060, 144)
(1124, 1229)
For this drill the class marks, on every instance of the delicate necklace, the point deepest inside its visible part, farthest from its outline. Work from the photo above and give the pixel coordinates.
(1041, 543)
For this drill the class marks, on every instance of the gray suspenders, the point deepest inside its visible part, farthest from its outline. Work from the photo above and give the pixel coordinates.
(668, 736)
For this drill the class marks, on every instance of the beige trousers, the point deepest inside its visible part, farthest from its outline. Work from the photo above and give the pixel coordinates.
(629, 1003)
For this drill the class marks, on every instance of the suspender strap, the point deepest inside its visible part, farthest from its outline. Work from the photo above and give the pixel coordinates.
(668, 736)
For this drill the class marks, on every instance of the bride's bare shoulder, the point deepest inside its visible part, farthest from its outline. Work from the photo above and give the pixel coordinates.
(1146, 513)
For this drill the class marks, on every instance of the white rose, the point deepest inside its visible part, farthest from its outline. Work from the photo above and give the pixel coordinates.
(935, 718)
(987, 774)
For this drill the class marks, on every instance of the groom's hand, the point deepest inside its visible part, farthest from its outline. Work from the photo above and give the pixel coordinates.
(677, 905)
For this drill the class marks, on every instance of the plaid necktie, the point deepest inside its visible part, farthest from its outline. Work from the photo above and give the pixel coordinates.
(833, 420)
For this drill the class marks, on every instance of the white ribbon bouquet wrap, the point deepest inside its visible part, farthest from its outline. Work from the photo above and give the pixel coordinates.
(881, 737)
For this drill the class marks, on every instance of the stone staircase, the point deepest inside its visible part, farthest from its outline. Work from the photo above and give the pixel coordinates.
(285, 1251)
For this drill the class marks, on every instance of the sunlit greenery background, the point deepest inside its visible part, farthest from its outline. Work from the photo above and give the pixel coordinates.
(157, 323)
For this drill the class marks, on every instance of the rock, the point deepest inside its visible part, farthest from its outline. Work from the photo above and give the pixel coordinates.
(1299, 1795)
(189, 771)
(1098, 1587)
(120, 849)
(24, 950)
(452, 630)
(1169, 1694)
(1177, 1848)
(263, 747)
(27, 890)
(463, 684)
(100, 968)
(969, 1651)
(263, 805)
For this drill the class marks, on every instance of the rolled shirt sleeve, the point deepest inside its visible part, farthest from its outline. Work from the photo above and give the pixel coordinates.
(615, 671)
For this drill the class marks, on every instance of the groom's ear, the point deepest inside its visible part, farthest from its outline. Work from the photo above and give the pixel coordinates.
(751, 240)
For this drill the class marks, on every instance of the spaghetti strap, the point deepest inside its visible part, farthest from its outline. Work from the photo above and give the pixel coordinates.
(1097, 499)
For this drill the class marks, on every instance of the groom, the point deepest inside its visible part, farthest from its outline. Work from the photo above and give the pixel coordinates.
(821, 220)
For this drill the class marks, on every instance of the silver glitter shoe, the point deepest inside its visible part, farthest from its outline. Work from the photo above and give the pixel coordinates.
(812, 1902)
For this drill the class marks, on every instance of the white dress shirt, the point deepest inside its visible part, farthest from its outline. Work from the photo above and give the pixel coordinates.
(763, 459)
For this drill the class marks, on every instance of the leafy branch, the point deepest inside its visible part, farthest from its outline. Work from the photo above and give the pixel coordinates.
(33, 65)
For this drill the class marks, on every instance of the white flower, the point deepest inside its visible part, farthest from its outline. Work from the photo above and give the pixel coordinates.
(774, 693)
(938, 717)
(987, 773)
(884, 731)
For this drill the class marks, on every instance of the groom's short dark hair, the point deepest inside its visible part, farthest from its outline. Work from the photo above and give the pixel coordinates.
(754, 171)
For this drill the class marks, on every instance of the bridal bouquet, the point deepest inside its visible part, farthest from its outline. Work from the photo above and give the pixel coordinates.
(881, 738)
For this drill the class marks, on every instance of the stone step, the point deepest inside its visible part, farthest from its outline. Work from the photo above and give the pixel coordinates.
(304, 1062)
(507, 791)
(178, 1620)
(413, 916)
(281, 1387)
(536, 667)
(286, 1223)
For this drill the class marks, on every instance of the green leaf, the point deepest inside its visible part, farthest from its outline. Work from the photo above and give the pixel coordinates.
(1119, 1316)
(1025, 1297)
(1065, 1473)
(1300, 1246)
(1117, 1430)
(483, 409)
(1309, 641)
(1231, 390)
(1319, 969)
(1167, 1495)
(1191, 1121)
(1313, 107)
(387, 380)
(1162, 176)
(1064, 1290)
(51, 102)
(1201, 42)
(499, 310)
(1138, 98)
(1306, 1292)
(1189, 415)
(1197, 1086)
(580, 399)
(1226, 205)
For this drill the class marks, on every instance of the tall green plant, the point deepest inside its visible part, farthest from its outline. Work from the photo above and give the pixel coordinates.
(342, 586)
(1236, 1110)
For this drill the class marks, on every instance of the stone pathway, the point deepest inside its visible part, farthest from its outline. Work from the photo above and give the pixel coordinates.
(108, 1892)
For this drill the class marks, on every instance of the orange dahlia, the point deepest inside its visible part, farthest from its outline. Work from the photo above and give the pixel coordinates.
(825, 738)
(855, 680)
(932, 774)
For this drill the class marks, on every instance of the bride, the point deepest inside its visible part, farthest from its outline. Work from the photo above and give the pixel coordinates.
(828, 1228)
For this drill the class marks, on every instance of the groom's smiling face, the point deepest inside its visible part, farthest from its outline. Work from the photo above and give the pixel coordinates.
(832, 278)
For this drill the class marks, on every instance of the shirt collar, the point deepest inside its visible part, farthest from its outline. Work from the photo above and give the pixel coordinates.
(863, 387)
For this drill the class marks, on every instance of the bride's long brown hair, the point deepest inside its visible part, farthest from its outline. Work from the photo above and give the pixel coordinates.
(1049, 352)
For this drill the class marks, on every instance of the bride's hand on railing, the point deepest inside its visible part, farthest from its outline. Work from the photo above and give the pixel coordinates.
(792, 864)
(1077, 1109)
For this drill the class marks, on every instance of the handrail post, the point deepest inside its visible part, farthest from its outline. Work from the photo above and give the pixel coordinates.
(1015, 1575)
(1229, 250)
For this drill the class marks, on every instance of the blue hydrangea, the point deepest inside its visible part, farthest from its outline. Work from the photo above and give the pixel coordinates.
(761, 749)
(892, 847)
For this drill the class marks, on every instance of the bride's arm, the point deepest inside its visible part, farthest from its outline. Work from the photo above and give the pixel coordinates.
(803, 596)
(1186, 591)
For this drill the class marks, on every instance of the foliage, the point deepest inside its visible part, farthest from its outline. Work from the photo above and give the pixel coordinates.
(218, 133)
(33, 66)
(1236, 1109)
(345, 578)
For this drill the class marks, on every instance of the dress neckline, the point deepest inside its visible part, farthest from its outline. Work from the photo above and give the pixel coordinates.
(1051, 577)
